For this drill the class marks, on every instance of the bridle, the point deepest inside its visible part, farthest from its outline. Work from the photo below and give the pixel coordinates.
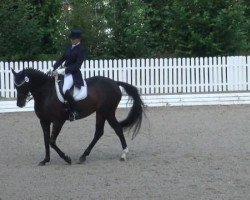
(25, 80)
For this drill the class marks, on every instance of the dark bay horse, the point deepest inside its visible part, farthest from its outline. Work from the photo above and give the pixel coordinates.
(103, 98)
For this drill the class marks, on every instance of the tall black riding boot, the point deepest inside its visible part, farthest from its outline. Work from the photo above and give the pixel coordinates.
(73, 114)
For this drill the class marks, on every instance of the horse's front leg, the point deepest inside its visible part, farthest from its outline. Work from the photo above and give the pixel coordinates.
(57, 126)
(46, 134)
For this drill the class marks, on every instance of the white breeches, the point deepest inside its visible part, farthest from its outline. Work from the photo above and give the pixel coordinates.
(68, 82)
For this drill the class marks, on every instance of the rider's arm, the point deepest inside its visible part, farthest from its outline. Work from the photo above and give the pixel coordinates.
(60, 61)
(77, 65)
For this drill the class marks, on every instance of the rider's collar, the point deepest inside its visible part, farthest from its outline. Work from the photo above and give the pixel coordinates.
(75, 45)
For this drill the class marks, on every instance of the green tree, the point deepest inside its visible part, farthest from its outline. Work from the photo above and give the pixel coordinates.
(37, 29)
(111, 28)
(48, 13)
(87, 16)
(19, 34)
(128, 28)
(197, 27)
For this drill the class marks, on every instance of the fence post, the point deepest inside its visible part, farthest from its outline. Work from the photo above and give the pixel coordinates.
(147, 83)
(206, 82)
(188, 67)
(139, 76)
(236, 68)
(97, 68)
(215, 74)
(7, 80)
(12, 89)
(248, 71)
(230, 75)
(115, 70)
(2, 83)
(175, 75)
(192, 75)
(110, 69)
(135, 81)
(243, 72)
(179, 75)
(197, 75)
(219, 66)
(124, 70)
(143, 69)
(201, 75)
(120, 70)
(224, 75)
(128, 69)
(170, 75)
(161, 71)
(152, 75)
(156, 75)
(210, 74)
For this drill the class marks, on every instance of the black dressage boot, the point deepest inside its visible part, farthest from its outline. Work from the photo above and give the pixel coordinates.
(73, 114)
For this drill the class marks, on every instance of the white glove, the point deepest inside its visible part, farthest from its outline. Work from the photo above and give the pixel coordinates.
(61, 71)
(49, 73)
(55, 73)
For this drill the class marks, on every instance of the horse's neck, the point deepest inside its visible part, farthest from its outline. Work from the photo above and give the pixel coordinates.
(41, 91)
(37, 80)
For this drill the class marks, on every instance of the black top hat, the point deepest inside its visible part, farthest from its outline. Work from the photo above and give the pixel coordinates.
(75, 34)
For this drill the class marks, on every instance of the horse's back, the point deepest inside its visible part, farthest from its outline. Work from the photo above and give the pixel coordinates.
(103, 90)
(103, 82)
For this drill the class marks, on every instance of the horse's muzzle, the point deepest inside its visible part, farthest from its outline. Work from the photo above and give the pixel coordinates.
(21, 104)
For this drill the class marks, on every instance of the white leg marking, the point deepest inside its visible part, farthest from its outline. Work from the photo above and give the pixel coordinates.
(126, 150)
(124, 154)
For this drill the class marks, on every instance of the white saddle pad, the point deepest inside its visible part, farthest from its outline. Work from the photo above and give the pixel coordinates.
(78, 94)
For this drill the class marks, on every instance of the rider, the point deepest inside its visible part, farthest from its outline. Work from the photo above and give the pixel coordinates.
(73, 57)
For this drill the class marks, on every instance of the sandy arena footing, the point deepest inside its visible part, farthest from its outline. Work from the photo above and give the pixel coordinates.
(184, 153)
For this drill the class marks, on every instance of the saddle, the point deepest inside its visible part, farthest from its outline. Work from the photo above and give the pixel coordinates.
(77, 94)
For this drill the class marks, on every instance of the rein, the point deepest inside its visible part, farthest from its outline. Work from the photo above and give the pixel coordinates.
(29, 98)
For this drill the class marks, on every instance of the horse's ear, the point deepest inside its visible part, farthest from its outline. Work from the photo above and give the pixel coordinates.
(13, 71)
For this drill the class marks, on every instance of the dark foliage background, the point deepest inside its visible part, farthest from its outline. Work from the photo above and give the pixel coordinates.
(38, 30)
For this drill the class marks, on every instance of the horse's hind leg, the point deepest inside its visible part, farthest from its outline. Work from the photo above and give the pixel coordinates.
(57, 126)
(100, 121)
(119, 132)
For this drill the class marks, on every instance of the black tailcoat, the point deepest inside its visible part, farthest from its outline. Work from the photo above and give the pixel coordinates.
(73, 58)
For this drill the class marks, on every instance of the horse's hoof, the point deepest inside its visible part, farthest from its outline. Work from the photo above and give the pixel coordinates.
(123, 159)
(82, 160)
(41, 163)
(68, 159)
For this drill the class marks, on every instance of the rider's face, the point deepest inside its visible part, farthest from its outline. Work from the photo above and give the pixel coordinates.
(75, 41)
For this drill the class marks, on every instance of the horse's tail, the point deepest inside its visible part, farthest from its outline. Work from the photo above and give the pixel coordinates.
(134, 118)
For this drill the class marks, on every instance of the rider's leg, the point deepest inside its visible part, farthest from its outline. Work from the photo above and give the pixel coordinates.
(68, 82)
(73, 115)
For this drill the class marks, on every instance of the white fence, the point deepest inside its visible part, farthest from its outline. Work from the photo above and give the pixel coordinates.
(155, 76)
(173, 81)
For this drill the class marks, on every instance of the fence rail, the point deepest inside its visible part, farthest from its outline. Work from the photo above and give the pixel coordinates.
(155, 76)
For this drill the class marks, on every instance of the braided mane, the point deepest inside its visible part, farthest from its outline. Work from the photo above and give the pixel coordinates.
(36, 76)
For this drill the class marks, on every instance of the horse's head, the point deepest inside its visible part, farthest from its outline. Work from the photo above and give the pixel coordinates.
(21, 82)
